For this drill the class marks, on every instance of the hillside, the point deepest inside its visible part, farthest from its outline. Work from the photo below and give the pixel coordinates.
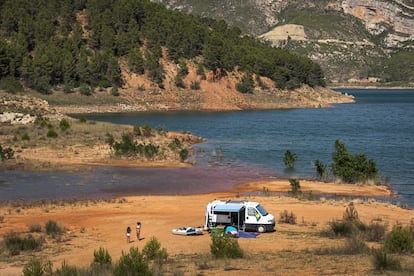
(148, 57)
(355, 41)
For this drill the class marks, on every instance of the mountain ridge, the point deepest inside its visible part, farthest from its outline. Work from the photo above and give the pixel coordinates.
(355, 41)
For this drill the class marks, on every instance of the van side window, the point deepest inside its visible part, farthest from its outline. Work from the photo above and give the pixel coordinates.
(251, 211)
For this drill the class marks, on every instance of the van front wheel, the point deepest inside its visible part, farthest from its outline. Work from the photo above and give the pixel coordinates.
(261, 229)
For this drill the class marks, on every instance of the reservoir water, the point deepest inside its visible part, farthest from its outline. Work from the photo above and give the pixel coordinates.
(248, 145)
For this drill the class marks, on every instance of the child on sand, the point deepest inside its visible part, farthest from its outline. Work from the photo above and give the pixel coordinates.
(138, 228)
(128, 234)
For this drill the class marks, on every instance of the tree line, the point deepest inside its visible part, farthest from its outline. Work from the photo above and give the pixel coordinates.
(44, 44)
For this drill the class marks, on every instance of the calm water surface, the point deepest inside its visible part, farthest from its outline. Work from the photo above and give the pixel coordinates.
(249, 145)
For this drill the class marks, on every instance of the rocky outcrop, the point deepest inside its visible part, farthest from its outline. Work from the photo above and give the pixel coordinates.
(394, 17)
(17, 118)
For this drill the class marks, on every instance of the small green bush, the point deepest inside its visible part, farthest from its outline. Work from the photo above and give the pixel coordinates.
(114, 91)
(383, 261)
(179, 82)
(294, 186)
(150, 150)
(152, 250)
(51, 133)
(341, 228)
(64, 124)
(36, 268)
(101, 257)
(246, 85)
(25, 136)
(85, 90)
(133, 263)
(66, 270)
(224, 246)
(15, 243)
(184, 154)
(399, 240)
(53, 229)
(175, 144)
(289, 159)
(195, 85)
(6, 153)
(82, 119)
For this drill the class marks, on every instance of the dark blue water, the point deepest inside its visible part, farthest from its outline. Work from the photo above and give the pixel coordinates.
(252, 145)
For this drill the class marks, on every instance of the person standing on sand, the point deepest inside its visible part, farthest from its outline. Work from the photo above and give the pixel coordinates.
(138, 228)
(128, 234)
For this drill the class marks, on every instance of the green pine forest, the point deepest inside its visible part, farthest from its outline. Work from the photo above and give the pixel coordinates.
(46, 44)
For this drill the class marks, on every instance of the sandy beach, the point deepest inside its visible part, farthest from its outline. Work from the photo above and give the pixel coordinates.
(92, 224)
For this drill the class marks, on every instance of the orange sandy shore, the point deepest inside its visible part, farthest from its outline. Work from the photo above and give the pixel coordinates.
(96, 223)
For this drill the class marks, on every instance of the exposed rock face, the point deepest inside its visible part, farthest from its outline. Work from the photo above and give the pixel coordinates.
(16, 118)
(380, 15)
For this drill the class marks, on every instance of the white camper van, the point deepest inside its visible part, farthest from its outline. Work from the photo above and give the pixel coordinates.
(242, 214)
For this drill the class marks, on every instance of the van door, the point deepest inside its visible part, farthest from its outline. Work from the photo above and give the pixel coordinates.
(252, 218)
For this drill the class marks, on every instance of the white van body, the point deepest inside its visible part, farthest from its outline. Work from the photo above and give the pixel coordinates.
(242, 214)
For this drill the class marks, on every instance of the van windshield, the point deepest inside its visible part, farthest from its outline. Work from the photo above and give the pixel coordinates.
(262, 210)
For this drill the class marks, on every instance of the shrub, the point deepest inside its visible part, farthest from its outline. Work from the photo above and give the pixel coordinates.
(184, 154)
(179, 82)
(85, 90)
(10, 85)
(289, 159)
(294, 186)
(175, 144)
(35, 227)
(321, 170)
(66, 270)
(133, 263)
(150, 150)
(374, 232)
(352, 168)
(341, 228)
(350, 214)
(152, 250)
(64, 125)
(127, 146)
(146, 130)
(53, 229)
(101, 257)
(246, 85)
(399, 240)
(25, 136)
(383, 261)
(82, 119)
(6, 153)
(355, 245)
(224, 246)
(195, 85)
(114, 91)
(285, 217)
(15, 243)
(51, 133)
(37, 268)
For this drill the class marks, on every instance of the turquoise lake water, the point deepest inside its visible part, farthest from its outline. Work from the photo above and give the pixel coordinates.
(248, 145)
